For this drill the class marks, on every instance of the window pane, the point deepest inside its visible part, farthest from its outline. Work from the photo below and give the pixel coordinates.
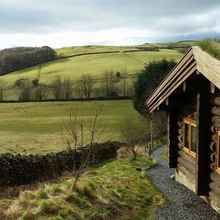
(186, 136)
(194, 139)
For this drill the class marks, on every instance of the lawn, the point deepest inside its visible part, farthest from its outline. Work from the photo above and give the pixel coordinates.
(38, 127)
(116, 190)
(95, 65)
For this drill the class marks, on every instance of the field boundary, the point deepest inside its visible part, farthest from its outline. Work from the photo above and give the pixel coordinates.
(18, 169)
(71, 100)
(109, 52)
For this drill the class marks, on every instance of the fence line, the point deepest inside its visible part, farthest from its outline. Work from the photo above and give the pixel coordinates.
(111, 86)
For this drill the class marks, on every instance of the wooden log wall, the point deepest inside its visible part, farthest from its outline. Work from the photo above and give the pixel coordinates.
(214, 185)
(186, 164)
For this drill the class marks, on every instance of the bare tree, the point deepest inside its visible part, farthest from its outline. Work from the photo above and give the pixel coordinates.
(87, 84)
(1, 94)
(1, 91)
(41, 92)
(135, 133)
(109, 80)
(25, 90)
(67, 89)
(75, 131)
(57, 89)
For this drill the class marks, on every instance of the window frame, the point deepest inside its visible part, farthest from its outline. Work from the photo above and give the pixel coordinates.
(189, 121)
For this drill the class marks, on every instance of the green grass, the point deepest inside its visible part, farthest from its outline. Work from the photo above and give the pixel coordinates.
(95, 65)
(38, 127)
(115, 190)
(69, 51)
(212, 47)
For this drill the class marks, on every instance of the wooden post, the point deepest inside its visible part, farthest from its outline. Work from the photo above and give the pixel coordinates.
(172, 139)
(204, 138)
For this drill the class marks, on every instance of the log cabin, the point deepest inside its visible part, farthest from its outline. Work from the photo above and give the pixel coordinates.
(190, 94)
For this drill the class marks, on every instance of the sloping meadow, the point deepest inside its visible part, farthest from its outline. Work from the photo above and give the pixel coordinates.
(119, 189)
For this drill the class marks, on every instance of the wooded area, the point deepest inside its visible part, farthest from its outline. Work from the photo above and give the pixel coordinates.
(22, 57)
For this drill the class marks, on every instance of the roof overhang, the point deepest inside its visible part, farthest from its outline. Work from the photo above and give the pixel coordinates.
(195, 61)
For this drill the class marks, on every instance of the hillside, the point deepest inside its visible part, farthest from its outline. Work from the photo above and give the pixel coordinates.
(93, 64)
(116, 190)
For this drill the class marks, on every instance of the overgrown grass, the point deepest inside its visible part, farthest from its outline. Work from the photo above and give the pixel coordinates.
(212, 47)
(119, 189)
(37, 127)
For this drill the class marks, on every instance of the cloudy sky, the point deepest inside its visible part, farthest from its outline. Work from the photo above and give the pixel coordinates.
(59, 23)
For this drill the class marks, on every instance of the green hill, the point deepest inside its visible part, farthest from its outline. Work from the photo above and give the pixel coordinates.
(121, 59)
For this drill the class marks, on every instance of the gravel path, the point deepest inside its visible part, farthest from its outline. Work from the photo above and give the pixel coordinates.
(182, 203)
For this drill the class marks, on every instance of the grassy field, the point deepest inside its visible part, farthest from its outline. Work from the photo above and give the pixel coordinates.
(115, 190)
(38, 127)
(69, 51)
(95, 65)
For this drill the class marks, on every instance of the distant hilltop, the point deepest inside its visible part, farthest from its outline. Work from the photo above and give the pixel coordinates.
(22, 57)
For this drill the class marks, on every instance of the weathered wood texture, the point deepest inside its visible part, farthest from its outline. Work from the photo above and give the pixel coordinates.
(188, 163)
(214, 195)
(185, 163)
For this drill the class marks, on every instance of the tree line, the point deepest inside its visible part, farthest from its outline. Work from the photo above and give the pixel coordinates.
(22, 57)
(110, 85)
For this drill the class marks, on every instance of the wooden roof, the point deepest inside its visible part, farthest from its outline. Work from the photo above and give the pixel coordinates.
(196, 60)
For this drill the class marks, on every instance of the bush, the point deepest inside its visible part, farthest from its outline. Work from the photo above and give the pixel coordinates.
(25, 169)
(148, 80)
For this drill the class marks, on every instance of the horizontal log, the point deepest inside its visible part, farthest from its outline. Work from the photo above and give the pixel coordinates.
(180, 131)
(212, 129)
(216, 111)
(187, 157)
(214, 197)
(215, 177)
(180, 145)
(215, 119)
(214, 137)
(180, 139)
(190, 176)
(189, 166)
(180, 124)
(216, 124)
(213, 157)
(213, 166)
(217, 101)
(213, 146)
(215, 186)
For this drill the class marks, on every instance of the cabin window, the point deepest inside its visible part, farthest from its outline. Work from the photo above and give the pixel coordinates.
(190, 135)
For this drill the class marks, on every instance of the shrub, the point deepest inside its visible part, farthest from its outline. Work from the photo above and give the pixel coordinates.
(148, 80)
(25, 169)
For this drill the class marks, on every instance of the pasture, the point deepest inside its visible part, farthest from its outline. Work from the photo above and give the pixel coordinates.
(38, 127)
(95, 65)
(71, 51)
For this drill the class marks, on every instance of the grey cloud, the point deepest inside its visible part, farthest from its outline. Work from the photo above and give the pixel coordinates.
(162, 17)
